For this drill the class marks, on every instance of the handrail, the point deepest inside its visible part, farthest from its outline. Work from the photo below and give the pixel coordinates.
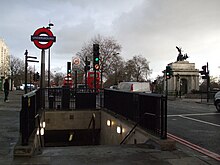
(92, 121)
(129, 132)
(151, 114)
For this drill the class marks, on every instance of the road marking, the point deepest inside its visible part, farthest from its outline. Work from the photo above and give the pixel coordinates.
(195, 114)
(195, 147)
(200, 121)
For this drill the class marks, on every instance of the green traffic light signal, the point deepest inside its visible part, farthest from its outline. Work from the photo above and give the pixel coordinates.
(96, 59)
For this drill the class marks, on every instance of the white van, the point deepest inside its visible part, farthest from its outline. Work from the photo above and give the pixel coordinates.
(217, 101)
(29, 86)
(135, 86)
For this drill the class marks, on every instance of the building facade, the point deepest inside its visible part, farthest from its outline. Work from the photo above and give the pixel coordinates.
(4, 62)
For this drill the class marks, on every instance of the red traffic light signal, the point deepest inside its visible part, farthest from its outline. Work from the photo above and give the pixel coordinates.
(97, 66)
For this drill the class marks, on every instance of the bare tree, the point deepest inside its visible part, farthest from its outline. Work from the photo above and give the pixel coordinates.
(109, 53)
(58, 78)
(17, 70)
(137, 69)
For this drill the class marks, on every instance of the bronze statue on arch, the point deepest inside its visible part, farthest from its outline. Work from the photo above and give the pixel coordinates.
(180, 56)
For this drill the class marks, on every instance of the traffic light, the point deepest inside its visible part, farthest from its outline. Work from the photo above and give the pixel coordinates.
(204, 72)
(169, 72)
(69, 69)
(87, 65)
(96, 57)
(36, 77)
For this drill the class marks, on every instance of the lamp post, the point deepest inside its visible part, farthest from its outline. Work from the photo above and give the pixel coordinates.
(49, 27)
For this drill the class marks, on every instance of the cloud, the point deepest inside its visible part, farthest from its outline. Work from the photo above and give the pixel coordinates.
(149, 27)
(154, 28)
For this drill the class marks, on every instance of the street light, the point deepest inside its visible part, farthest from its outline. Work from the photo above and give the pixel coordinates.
(49, 27)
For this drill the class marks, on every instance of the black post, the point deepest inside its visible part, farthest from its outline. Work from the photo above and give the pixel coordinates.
(75, 80)
(42, 80)
(86, 62)
(25, 79)
(208, 82)
(95, 80)
(65, 97)
(48, 67)
(163, 114)
(166, 87)
(30, 80)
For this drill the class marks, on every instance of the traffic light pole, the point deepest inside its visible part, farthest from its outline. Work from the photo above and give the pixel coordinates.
(95, 80)
(95, 62)
(166, 87)
(86, 61)
(208, 83)
(75, 80)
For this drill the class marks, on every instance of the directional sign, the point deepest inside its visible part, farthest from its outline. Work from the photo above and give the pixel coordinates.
(38, 38)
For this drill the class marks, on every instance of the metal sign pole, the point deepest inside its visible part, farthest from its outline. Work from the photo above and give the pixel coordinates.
(25, 79)
(86, 61)
(208, 82)
(42, 80)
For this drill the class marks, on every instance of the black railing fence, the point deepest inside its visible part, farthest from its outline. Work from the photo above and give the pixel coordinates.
(30, 108)
(149, 110)
(66, 98)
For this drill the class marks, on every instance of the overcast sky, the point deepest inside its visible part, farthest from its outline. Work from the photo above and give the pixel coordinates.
(152, 28)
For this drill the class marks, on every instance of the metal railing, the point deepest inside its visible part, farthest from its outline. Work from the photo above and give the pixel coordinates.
(66, 98)
(149, 110)
(30, 108)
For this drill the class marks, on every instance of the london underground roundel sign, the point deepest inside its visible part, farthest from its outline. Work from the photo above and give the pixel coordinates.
(43, 38)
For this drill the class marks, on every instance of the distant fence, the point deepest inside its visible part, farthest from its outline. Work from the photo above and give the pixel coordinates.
(149, 110)
(66, 98)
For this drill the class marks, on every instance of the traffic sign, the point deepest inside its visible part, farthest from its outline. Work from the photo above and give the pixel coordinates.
(76, 61)
(38, 38)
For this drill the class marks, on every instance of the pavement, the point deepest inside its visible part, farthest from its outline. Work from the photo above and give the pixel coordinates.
(139, 154)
